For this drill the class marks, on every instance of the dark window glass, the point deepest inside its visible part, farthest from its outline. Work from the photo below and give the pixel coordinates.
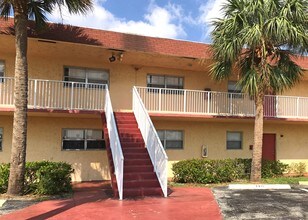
(234, 140)
(171, 139)
(171, 82)
(1, 138)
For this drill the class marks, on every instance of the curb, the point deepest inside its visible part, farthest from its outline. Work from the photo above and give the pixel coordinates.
(2, 202)
(259, 186)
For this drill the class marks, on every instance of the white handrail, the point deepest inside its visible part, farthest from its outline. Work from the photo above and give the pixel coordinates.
(115, 144)
(56, 95)
(182, 101)
(153, 144)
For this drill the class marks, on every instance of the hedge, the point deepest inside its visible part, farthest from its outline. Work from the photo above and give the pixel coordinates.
(219, 171)
(43, 177)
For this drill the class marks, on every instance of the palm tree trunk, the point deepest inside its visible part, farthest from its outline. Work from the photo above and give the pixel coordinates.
(258, 140)
(18, 152)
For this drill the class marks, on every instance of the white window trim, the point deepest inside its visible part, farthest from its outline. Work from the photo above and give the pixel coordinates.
(85, 139)
(164, 141)
(86, 76)
(241, 133)
(165, 81)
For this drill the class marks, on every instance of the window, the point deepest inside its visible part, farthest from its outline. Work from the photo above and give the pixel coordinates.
(84, 75)
(160, 81)
(171, 139)
(1, 138)
(234, 140)
(82, 139)
(2, 69)
(233, 87)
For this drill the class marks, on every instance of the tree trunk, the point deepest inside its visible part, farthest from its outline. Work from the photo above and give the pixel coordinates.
(18, 153)
(258, 140)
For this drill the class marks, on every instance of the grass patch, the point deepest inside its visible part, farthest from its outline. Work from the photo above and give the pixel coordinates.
(284, 180)
(274, 180)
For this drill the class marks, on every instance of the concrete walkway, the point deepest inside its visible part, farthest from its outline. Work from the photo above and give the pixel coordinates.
(93, 201)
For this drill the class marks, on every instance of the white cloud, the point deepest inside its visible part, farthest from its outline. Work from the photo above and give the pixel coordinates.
(158, 21)
(208, 12)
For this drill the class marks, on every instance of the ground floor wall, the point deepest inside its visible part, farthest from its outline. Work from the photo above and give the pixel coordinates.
(45, 143)
(291, 140)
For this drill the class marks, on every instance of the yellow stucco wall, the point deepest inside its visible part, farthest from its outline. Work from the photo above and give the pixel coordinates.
(291, 144)
(44, 143)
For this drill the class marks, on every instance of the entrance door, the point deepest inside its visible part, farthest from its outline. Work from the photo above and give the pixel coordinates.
(269, 147)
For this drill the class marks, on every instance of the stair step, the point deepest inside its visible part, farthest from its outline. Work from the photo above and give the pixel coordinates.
(135, 162)
(139, 176)
(127, 121)
(138, 169)
(130, 136)
(144, 156)
(127, 126)
(132, 139)
(141, 184)
(129, 130)
(133, 150)
(132, 144)
(141, 192)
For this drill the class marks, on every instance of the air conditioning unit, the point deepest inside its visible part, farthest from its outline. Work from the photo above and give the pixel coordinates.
(204, 151)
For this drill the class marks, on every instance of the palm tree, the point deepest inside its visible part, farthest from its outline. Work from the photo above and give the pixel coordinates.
(259, 40)
(24, 10)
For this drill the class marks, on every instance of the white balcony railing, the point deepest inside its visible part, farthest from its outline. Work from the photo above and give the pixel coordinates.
(179, 101)
(115, 144)
(51, 94)
(153, 144)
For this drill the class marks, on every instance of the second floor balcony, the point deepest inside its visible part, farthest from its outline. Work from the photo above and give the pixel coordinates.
(55, 95)
(195, 102)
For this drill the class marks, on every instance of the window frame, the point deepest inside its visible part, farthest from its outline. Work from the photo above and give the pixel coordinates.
(236, 93)
(241, 140)
(86, 79)
(85, 139)
(164, 142)
(165, 81)
(1, 138)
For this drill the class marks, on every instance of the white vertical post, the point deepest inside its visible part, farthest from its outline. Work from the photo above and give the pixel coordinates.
(185, 93)
(72, 95)
(277, 100)
(35, 92)
(297, 107)
(159, 99)
(231, 100)
(208, 102)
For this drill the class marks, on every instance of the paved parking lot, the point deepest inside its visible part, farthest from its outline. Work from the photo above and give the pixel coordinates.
(263, 204)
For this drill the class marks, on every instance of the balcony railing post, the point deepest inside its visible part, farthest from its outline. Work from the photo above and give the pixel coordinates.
(277, 111)
(35, 92)
(208, 102)
(297, 107)
(231, 100)
(159, 99)
(72, 95)
(185, 93)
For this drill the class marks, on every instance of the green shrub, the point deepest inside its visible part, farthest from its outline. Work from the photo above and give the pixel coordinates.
(44, 177)
(297, 169)
(4, 177)
(218, 171)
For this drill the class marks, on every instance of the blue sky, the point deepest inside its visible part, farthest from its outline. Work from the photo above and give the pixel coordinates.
(177, 19)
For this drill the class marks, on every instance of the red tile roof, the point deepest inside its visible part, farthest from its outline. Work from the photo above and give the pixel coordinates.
(114, 40)
(120, 41)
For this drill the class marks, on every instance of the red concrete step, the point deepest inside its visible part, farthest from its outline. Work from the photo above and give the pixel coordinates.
(128, 162)
(129, 130)
(130, 136)
(139, 176)
(144, 156)
(132, 144)
(125, 117)
(133, 150)
(138, 169)
(132, 139)
(141, 183)
(127, 126)
(128, 121)
(142, 192)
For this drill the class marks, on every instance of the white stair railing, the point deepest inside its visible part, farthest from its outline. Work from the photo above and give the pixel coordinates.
(115, 145)
(152, 142)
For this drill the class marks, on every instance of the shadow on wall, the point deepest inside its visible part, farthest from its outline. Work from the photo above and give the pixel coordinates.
(92, 171)
(58, 32)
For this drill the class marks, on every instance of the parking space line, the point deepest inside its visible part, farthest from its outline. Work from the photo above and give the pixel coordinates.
(306, 190)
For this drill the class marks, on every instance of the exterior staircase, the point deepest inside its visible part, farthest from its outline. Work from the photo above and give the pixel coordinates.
(139, 177)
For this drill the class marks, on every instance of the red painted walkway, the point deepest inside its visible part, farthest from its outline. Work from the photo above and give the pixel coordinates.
(92, 201)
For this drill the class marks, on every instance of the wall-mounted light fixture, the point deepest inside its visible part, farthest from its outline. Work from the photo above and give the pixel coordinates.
(117, 55)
